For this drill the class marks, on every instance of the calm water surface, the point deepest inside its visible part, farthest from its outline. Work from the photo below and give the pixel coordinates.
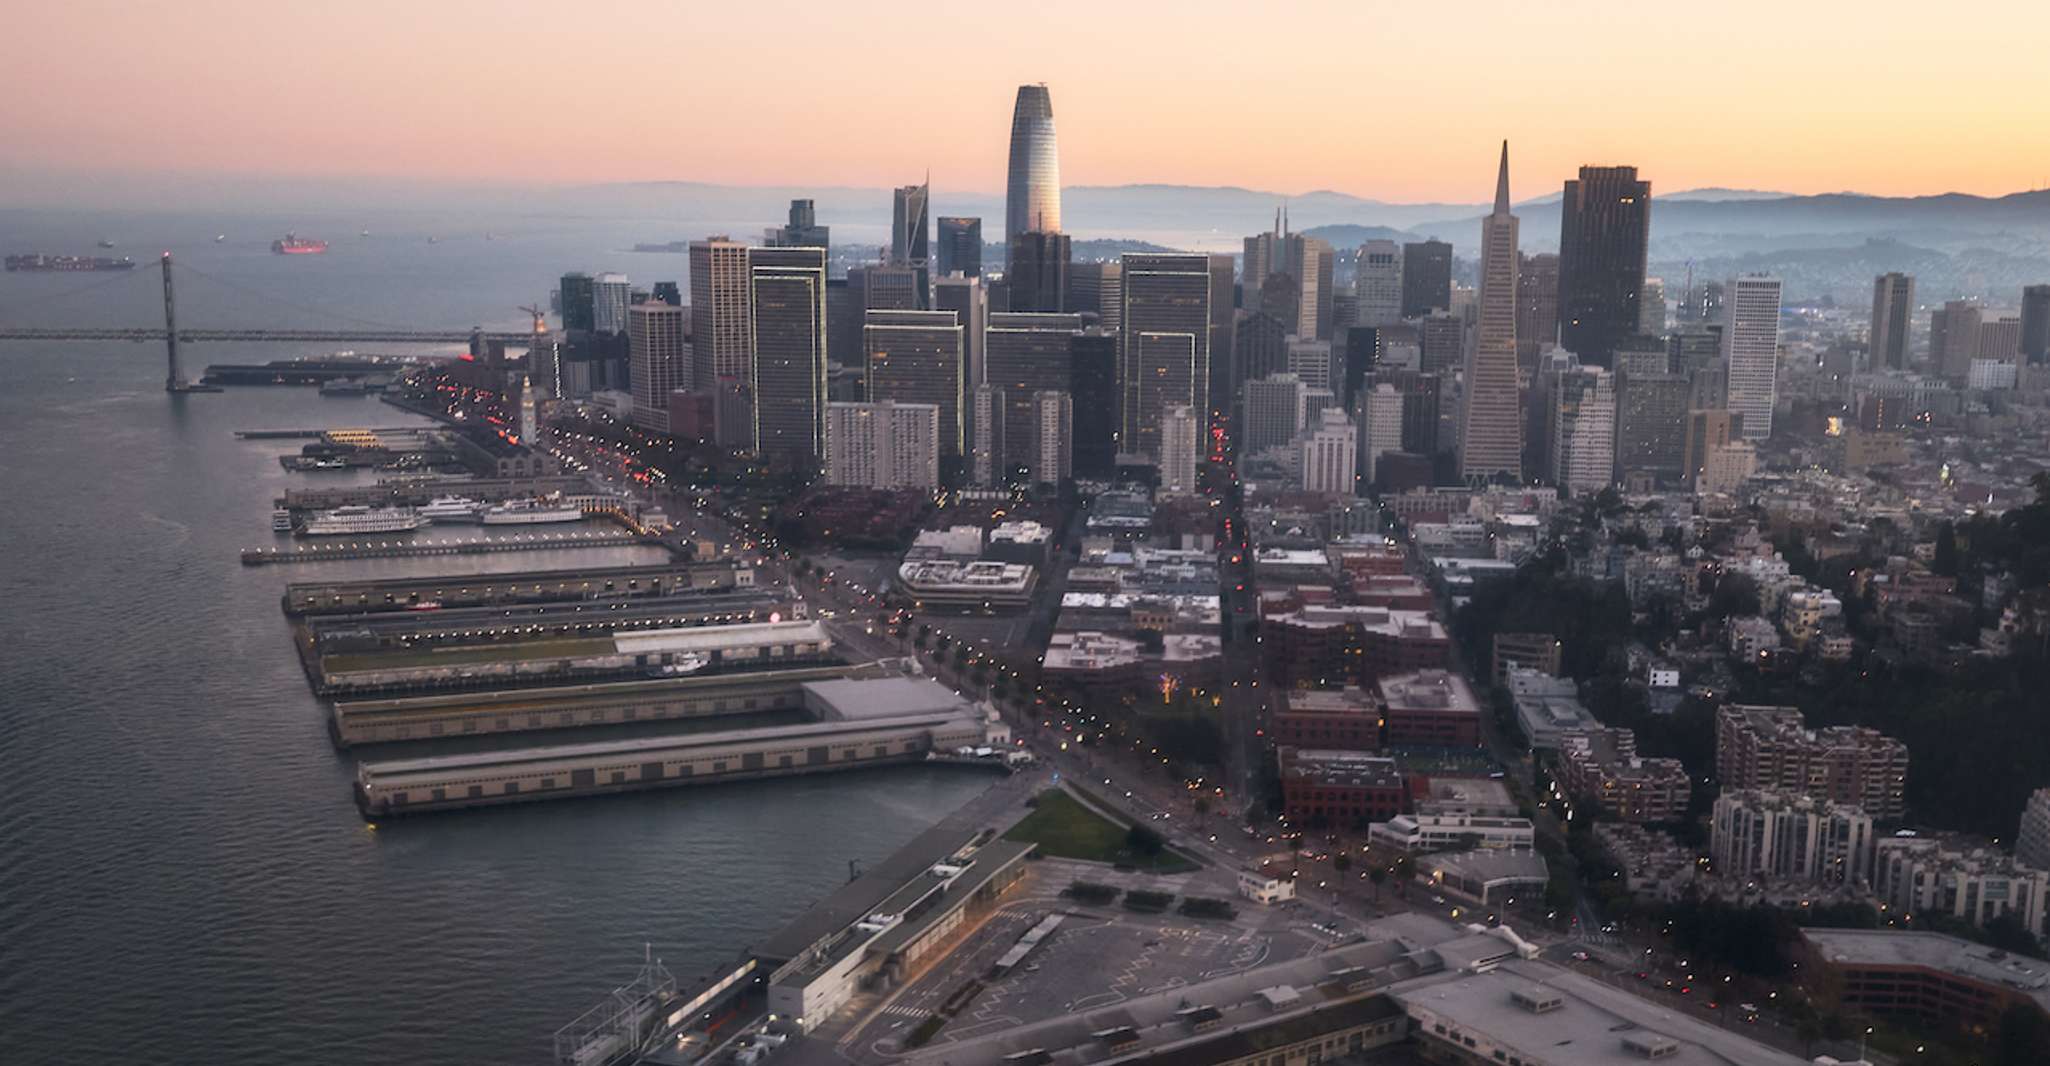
(183, 876)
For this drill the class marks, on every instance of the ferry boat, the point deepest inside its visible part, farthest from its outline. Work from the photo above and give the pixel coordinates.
(450, 509)
(343, 521)
(529, 512)
(281, 521)
(293, 244)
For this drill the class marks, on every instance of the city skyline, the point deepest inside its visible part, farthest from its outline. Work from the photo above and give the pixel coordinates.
(331, 106)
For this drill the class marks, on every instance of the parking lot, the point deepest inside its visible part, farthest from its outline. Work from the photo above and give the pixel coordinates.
(1098, 957)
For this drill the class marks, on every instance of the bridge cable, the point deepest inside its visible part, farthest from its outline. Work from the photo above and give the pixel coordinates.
(184, 269)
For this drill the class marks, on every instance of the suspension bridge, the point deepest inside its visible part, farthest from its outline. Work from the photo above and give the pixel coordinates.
(172, 336)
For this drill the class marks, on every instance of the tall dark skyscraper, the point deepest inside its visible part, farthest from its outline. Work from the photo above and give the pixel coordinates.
(1537, 307)
(1166, 347)
(1604, 230)
(960, 246)
(787, 302)
(668, 292)
(1025, 354)
(1032, 195)
(576, 301)
(1893, 306)
(1093, 365)
(1259, 349)
(1038, 274)
(803, 230)
(911, 236)
(917, 357)
(1426, 278)
(2036, 323)
(1096, 289)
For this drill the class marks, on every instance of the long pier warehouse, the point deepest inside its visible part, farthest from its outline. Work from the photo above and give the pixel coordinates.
(566, 706)
(333, 634)
(613, 656)
(862, 723)
(529, 586)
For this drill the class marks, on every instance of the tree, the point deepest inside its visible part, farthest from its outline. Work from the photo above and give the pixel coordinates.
(1144, 841)
(1342, 863)
(1945, 562)
(1735, 594)
(2023, 1036)
(1378, 876)
(1202, 806)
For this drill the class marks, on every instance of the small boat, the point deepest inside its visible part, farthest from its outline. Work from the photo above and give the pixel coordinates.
(219, 237)
(106, 244)
(683, 666)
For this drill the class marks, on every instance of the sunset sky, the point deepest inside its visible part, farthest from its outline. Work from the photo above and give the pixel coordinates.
(1395, 101)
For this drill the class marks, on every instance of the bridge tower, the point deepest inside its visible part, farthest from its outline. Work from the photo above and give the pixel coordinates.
(174, 379)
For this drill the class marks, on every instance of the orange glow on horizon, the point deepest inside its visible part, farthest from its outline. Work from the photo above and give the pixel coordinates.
(1388, 101)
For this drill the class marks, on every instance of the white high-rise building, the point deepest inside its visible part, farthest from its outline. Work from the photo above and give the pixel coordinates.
(1584, 429)
(1491, 429)
(1788, 837)
(1179, 448)
(1751, 348)
(1313, 303)
(2032, 844)
(659, 358)
(883, 445)
(1273, 412)
(1053, 436)
(1378, 282)
(1380, 428)
(1329, 455)
(610, 295)
(1726, 468)
(1310, 360)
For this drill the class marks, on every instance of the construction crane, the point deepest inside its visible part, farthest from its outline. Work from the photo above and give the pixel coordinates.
(540, 318)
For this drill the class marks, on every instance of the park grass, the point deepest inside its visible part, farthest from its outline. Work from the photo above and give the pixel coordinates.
(1064, 828)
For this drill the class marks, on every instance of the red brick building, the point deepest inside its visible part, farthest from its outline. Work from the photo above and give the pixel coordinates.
(1429, 708)
(1347, 719)
(1324, 646)
(1341, 788)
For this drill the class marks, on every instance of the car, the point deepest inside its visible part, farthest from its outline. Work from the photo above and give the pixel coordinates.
(1582, 956)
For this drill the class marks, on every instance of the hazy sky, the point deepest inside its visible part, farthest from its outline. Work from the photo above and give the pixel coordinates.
(1399, 101)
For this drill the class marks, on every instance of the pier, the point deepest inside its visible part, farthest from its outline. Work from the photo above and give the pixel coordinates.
(391, 549)
(583, 584)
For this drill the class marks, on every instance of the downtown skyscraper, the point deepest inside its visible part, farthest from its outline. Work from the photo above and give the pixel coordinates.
(722, 364)
(1032, 195)
(1604, 234)
(1165, 349)
(1491, 434)
(911, 237)
(1751, 347)
(1893, 305)
(787, 323)
(960, 246)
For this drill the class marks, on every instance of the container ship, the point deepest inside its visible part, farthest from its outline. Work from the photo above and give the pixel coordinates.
(293, 244)
(68, 262)
(529, 512)
(343, 521)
